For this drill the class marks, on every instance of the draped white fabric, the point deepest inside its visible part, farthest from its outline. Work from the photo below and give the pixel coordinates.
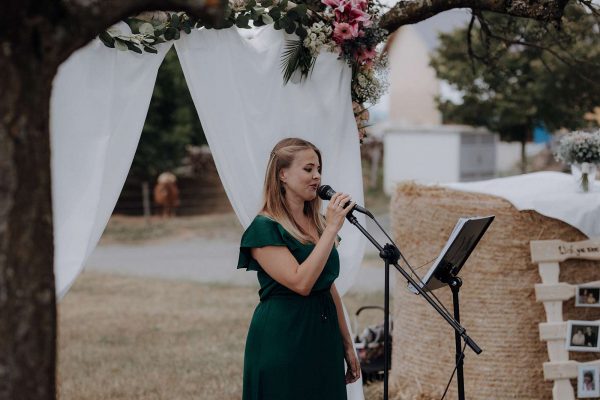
(245, 109)
(100, 100)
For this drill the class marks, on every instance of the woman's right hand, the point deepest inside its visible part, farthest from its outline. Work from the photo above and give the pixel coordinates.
(336, 212)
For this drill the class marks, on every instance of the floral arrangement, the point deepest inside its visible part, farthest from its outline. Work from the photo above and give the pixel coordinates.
(579, 147)
(346, 27)
(581, 150)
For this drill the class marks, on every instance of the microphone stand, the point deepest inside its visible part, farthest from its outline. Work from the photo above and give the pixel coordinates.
(391, 254)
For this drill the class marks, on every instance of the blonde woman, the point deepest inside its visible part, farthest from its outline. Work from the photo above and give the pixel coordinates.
(298, 340)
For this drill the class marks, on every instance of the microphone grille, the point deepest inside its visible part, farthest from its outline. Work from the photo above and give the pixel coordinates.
(325, 192)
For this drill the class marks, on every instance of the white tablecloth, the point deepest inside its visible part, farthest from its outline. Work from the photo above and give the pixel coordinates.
(553, 194)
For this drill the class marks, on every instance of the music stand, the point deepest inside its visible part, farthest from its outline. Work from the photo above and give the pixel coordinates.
(444, 271)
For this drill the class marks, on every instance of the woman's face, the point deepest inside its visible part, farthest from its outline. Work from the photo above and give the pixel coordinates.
(303, 177)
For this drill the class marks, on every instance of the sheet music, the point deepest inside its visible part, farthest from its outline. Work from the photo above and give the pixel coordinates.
(463, 246)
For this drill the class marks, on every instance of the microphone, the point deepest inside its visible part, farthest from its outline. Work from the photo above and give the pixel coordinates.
(325, 192)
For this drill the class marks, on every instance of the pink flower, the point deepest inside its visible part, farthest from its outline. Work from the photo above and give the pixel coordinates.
(359, 15)
(360, 4)
(342, 31)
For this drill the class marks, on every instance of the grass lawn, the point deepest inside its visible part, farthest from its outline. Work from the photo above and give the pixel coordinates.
(140, 338)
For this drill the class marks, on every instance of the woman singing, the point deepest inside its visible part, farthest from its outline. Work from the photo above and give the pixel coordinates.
(298, 339)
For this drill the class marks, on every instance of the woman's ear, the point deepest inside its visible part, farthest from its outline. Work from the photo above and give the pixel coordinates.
(283, 174)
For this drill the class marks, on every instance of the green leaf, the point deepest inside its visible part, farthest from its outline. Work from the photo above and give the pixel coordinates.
(150, 50)
(301, 32)
(275, 13)
(177, 35)
(284, 22)
(120, 44)
(134, 48)
(283, 4)
(301, 9)
(134, 24)
(258, 22)
(175, 21)
(146, 29)
(227, 24)
(266, 3)
(266, 18)
(250, 5)
(170, 33)
(277, 25)
(291, 28)
(294, 56)
(242, 21)
(107, 39)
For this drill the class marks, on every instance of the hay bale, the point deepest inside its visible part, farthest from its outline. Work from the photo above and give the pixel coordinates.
(498, 306)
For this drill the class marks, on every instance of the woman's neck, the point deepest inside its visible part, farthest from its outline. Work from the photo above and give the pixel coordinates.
(296, 207)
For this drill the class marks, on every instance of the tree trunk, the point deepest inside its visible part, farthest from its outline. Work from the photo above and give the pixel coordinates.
(524, 155)
(27, 293)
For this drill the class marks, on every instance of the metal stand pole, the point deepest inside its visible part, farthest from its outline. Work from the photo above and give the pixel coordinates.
(455, 284)
(391, 254)
(386, 331)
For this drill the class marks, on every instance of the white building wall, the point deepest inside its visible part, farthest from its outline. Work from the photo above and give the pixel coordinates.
(420, 155)
(413, 83)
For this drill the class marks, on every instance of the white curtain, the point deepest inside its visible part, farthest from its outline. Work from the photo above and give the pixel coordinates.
(100, 100)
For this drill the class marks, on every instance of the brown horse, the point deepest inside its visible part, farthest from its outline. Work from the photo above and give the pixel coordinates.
(166, 193)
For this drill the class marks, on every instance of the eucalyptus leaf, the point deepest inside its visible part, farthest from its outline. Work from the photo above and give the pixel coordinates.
(242, 21)
(267, 19)
(177, 34)
(301, 31)
(266, 3)
(175, 21)
(150, 50)
(108, 40)
(277, 25)
(259, 10)
(291, 28)
(146, 29)
(258, 22)
(170, 33)
(120, 45)
(275, 13)
(283, 4)
(131, 46)
(114, 31)
(284, 22)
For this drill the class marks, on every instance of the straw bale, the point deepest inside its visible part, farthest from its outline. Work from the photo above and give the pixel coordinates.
(498, 306)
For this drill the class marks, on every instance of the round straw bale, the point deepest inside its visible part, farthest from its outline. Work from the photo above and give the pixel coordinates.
(497, 299)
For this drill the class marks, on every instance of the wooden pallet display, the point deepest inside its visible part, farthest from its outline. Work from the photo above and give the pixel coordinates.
(548, 254)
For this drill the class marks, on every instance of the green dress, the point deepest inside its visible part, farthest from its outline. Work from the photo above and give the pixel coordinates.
(294, 347)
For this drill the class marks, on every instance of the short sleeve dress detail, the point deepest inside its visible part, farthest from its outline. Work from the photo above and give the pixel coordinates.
(294, 348)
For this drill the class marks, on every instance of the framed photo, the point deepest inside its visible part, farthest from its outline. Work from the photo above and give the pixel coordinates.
(587, 296)
(588, 381)
(583, 335)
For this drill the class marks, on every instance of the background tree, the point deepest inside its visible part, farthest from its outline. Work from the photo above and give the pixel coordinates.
(35, 38)
(171, 124)
(516, 73)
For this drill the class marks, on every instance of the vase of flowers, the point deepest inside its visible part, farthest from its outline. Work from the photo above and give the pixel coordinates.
(582, 151)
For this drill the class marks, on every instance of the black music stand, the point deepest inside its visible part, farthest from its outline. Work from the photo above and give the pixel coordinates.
(460, 245)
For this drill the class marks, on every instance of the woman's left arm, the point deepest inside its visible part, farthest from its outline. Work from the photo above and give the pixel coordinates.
(353, 372)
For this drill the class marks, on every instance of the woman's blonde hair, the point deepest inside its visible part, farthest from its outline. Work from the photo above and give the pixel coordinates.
(274, 204)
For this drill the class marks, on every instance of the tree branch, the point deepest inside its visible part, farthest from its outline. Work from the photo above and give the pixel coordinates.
(85, 21)
(407, 12)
